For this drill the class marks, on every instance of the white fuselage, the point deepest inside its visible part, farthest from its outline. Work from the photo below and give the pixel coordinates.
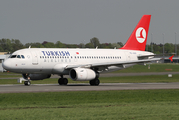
(54, 60)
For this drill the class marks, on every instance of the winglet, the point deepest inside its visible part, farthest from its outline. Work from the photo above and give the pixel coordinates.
(138, 38)
(171, 58)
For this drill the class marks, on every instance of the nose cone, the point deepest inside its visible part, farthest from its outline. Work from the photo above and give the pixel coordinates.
(6, 64)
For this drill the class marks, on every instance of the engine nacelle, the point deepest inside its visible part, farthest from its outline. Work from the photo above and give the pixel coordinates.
(36, 76)
(82, 74)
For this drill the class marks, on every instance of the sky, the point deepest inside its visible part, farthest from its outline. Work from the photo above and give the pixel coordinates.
(77, 21)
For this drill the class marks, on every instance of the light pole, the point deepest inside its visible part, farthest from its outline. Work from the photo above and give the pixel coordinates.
(151, 43)
(176, 43)
(163, 47)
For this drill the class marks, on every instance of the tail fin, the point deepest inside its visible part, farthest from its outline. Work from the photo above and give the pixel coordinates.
(171, 58)
(138, 38)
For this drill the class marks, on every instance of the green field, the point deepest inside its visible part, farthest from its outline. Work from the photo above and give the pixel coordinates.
(172, 67)
(96, 105)
(91, 105)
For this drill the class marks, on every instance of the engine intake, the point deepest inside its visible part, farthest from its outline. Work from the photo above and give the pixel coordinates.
(82, 74)
(36, 76)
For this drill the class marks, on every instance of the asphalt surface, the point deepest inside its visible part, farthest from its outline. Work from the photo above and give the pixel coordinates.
(85, 87)
(21, 88)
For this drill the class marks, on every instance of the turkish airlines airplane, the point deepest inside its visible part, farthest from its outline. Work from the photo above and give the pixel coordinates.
(81, 64)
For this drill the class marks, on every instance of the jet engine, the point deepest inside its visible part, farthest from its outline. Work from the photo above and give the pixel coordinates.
(36, 76)
(82, 74)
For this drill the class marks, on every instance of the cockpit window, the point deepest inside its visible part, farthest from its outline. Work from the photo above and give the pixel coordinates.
(18, 56)
(13, 56)
(22, 56)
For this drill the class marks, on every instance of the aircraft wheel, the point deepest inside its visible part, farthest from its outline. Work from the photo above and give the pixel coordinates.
(63, 81)
(27, 83)
(95, 82)
(91, 82)
(60, 81)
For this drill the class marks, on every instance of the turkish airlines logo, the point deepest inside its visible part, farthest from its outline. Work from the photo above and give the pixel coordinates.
(140, 35)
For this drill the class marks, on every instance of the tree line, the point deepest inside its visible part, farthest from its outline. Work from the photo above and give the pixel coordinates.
(7, 45)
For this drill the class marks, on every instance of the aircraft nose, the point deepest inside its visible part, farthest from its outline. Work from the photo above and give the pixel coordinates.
(6, 64)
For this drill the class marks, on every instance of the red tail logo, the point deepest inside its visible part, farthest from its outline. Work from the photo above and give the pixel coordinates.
(171, 58)
(140, 35)
(138, 38)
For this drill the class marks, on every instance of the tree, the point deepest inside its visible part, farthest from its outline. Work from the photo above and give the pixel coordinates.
(120, 43)
(81, 45)
(58, 44)
(49, 45)
(16, 44)
(33, 45)
(116, 45)
(89, 45)
(95, 42)
(169, 48)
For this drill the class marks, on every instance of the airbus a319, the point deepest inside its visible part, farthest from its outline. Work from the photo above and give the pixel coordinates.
(81, 64)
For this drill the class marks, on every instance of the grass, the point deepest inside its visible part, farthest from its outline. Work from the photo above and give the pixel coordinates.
(102, 105)
(172, 67)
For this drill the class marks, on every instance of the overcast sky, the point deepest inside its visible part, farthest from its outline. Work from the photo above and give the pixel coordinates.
(77, 21)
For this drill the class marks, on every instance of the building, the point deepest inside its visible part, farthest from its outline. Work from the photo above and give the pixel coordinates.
(167, 60)
(3, 57)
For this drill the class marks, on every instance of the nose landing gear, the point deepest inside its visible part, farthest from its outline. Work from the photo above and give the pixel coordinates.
(27, 83)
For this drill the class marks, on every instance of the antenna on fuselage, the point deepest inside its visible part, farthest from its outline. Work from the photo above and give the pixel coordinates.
(96, 47)
(29, 46)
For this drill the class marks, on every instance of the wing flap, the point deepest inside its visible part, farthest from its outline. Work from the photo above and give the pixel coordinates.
(123, 63)
(142, 57)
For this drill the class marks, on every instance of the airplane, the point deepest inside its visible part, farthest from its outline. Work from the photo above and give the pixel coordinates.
(171, 58)
(81, 64)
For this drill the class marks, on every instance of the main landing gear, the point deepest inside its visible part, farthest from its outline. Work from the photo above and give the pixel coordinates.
(63, 81)
(94, 82)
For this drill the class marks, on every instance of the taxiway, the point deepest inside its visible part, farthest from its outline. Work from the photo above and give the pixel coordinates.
(85, 87)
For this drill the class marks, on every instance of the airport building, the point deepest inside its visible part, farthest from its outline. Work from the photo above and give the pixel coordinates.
(3, 57)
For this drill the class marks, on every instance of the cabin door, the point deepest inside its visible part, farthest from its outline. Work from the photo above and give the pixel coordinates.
(34, 58)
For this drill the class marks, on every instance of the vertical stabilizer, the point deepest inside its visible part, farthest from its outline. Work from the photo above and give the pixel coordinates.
(138, 38)
(171, 58)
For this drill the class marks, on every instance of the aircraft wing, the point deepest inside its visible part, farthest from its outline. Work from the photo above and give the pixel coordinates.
(112, 63)
(142, 57)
